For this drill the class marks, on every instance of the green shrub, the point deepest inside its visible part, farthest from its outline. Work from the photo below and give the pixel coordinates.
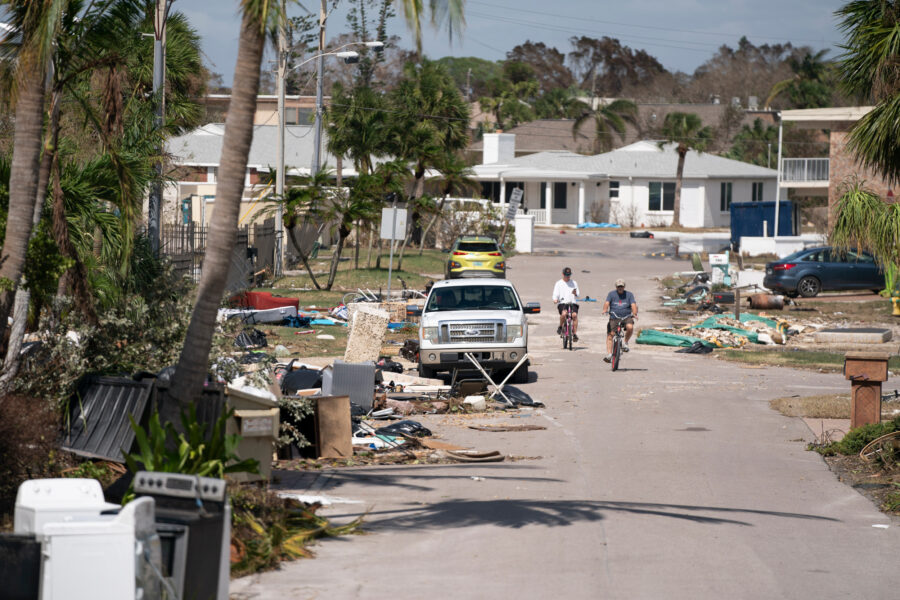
(856, 439)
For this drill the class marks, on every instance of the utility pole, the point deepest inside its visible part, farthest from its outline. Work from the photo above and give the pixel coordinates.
(323, 16)
(468, 85)
(154, 203)
(279, 174)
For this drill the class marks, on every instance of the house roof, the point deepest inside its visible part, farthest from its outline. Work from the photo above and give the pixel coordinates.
(641, 159)
(556, 134)
(203, 147)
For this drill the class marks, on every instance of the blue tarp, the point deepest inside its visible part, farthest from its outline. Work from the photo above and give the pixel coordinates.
(590, 225)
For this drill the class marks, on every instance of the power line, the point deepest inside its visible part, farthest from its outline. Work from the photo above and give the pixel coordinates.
(582, 19)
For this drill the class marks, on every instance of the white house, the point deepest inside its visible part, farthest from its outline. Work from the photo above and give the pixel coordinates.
(632, 186)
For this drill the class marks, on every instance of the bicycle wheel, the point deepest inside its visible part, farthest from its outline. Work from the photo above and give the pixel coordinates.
(616, 352)
(565, 336)
(571, 337)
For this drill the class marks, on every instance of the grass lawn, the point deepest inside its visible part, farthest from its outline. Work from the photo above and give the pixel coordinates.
(875, 309)
(808, 359)
(415, 272)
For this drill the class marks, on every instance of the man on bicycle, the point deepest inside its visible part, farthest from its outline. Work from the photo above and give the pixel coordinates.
(619, 304)
(564, 293)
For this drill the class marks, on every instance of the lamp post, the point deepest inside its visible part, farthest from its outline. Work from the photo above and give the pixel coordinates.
(154, 201)
(280, 174)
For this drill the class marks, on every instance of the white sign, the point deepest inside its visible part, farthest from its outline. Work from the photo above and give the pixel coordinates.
(718, 259)
(515, 200)
(391, 230)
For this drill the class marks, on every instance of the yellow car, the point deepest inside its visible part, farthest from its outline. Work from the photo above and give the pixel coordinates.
(476, 257)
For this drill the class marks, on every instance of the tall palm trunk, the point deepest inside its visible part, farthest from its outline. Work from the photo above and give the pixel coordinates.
(190, 373)
(23, 184)
(676, 208)
(23, 295)
(343, 232)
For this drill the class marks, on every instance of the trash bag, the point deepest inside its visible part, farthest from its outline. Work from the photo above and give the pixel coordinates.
(253, 357)
(251, 339)
(641, 234)
(386, 364)
(517, 397)
(406, 427)
(340, 312)
(696, 348)
(410, 350)
(291, 379)
(296, 322)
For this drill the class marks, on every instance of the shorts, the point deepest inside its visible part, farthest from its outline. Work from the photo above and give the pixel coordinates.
(562, 306)
(609, 324)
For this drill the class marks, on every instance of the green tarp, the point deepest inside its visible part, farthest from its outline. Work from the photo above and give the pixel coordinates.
(745, 317)
(662, 338)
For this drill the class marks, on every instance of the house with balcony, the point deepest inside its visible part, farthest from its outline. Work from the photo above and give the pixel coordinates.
(826, 176)
(632, 186)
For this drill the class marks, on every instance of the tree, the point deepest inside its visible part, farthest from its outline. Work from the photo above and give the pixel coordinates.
(560, 103)
(687, 131)
(509, 103)
(754, 144)
(258, 17)
(472, 75)
(864, 220)
(455, 179)
(449, 11)
(548, 65)
(606, 67)
(807, 88)
(608, 119)
(37, 23)
(868, 72)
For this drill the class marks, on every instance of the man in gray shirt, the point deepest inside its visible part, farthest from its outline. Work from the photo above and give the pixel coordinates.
(620, 305)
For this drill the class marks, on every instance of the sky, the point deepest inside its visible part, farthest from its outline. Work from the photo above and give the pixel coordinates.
(681, 34)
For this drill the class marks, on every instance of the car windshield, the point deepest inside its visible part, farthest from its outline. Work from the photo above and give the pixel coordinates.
(473, 297)
(477, 247)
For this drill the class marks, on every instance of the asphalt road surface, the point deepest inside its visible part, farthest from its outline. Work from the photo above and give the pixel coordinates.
(671, 478)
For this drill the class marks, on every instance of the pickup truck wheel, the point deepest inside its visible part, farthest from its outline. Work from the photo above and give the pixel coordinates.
(521, 375)
(426, 372)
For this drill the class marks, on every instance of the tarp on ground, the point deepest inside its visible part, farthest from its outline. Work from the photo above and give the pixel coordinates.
(590, 225)
(752, 336)
(663, 338)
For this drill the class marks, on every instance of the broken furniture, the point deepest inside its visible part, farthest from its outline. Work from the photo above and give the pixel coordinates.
(257, 419)
(333, 430)
(866, 371)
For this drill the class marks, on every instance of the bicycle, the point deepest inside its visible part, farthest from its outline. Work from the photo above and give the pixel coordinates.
(618, 340)
(568, 334)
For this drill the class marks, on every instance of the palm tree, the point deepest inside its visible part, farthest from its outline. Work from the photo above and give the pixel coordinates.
(357, 126)
(455, 179)
(450, 11)
(863, 220)
(753, 144)
(868, 71)
(608, 119)
(807, 87)
(37, 23)
(508, 105)
(687, 131)
(560, 103)
(258, 17)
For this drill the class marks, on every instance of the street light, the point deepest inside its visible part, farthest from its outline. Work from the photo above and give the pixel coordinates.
(347, 55)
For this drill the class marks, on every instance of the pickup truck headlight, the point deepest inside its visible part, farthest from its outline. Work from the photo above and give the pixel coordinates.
(430, 334)
(513, 332)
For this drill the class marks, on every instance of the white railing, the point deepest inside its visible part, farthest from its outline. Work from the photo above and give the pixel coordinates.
(540, 215)
(804, 169)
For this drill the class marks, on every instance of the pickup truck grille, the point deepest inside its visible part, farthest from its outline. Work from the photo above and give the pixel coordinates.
(473, 332)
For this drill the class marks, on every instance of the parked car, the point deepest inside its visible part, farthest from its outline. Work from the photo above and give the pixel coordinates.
(808, 272)
(474, 256)
(486, 318)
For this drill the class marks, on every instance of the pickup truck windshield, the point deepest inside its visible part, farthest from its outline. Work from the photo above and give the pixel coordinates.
(473, 297)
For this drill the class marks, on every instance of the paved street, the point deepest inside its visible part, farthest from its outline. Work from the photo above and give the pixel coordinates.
(669, 479)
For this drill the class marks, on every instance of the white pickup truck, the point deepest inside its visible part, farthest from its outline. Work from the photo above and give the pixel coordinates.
(484, 317)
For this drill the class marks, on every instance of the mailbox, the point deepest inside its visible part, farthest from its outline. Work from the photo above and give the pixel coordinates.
(866, 371)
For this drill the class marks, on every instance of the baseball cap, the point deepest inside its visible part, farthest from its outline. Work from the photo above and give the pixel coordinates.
(620, 282)
(567, 271)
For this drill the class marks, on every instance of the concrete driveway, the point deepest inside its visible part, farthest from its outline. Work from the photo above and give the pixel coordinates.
(671, 478)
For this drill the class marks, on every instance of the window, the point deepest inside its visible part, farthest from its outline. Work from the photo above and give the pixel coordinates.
(478, 247)
(662, 195)
(559, 194)
(298, 116)
(725, 196)
(543, 194)
(510, 186)
(473, 297)
(757, 191)
(613, 190)
(490, 190)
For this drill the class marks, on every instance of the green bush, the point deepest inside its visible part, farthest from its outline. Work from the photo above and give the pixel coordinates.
(856, 439)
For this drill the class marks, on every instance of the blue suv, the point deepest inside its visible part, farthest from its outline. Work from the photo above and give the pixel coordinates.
(808, 272)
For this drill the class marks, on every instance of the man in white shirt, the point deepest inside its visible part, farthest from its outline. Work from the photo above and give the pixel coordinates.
(564, 293)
